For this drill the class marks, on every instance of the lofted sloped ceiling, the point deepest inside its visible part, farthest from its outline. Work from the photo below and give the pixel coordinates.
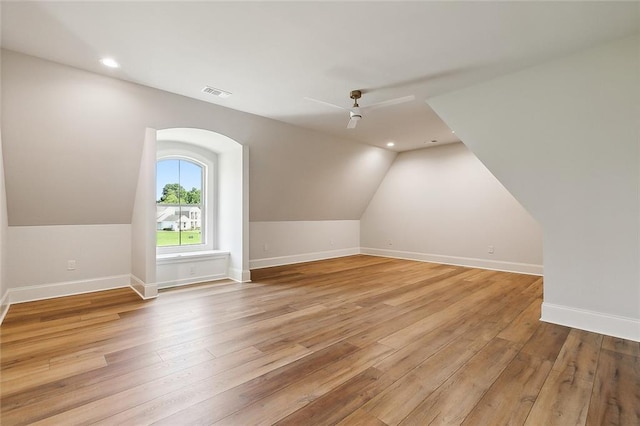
(72, 142)
(273, 55)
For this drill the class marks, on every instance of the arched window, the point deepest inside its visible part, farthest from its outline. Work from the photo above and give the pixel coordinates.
(180, 202)
(186, 216)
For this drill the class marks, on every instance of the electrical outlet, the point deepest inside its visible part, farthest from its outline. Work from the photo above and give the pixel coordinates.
(331, 243)
(71, 265)
(491, 249)
(265, 247)
(192, 270)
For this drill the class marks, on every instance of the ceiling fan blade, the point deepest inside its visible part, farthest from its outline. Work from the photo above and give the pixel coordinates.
(324, 103)
(352, 123)
(390, 102)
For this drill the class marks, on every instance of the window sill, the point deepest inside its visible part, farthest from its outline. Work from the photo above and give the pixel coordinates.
(189, 256)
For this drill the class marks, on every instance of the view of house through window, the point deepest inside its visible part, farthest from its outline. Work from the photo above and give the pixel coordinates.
(179, 205)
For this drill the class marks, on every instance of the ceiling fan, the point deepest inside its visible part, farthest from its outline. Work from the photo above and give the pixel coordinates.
(355, 112)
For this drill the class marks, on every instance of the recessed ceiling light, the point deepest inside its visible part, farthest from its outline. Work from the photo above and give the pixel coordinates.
(390, 144)
(453, 131)
(109, 62)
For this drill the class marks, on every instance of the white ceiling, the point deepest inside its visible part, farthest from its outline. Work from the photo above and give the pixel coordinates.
(271, 55)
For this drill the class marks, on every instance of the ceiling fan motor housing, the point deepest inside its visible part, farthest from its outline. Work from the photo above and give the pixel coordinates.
(355, 111)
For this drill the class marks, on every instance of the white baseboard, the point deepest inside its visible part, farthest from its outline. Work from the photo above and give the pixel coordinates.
(191, 280)
(240, 275)
(494, 265)
(597, 322)
(144, 290)
(299, 258)
(62, 289)
(68, 288)
(4, 305)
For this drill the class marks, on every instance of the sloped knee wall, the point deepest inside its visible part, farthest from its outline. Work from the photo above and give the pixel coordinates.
(563, 139)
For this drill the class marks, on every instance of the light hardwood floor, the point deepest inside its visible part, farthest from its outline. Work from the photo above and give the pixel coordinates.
(359, 340)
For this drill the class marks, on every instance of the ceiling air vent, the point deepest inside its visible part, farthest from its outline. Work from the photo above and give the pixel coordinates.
(216, 92)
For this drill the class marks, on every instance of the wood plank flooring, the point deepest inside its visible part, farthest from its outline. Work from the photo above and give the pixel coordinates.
(359, 340)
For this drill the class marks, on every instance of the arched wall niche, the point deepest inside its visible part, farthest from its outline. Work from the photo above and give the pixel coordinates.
(227, 256)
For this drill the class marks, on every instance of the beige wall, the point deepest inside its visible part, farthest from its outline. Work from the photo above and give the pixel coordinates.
(3, 215)
(563, 139)
(280, 243)
(3, 234)
(441, 204)
(39, 254)
(73, 142)
(143, 231)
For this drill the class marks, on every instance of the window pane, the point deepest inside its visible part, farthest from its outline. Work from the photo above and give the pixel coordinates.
(191, 181)
(179, 207)
(191, 227)
(167, 232)
(167, 180)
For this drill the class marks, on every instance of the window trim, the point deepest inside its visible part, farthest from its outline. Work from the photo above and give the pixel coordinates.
(208, 162)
